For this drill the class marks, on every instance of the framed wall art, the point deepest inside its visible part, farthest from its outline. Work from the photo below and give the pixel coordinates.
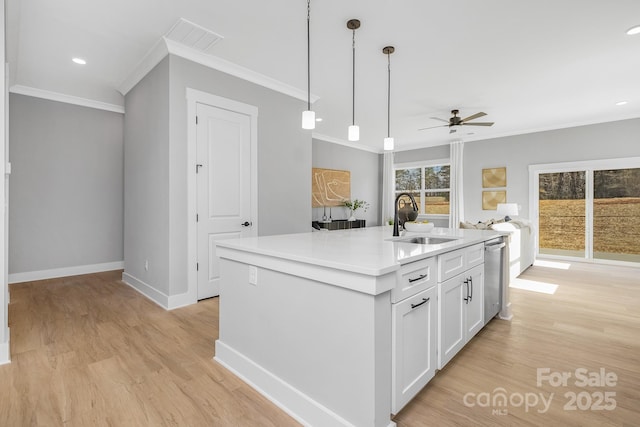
(329, 187)
(494, 177)
(490, 199)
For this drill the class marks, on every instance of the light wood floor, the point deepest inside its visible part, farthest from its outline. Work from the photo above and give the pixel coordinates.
(88, 350)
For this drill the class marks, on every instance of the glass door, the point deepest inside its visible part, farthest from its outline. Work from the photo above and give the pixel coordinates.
(562, 213)
(588, 209)
(616, 214)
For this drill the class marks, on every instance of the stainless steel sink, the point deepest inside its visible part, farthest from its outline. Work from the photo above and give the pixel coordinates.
(426, 240)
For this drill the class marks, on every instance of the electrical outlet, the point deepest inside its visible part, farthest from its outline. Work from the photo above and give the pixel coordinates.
(253, 275)
(146, 265)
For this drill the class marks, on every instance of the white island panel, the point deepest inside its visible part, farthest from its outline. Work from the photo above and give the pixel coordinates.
(321, 352)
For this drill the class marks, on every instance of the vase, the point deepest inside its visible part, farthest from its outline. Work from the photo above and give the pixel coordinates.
(352, 217)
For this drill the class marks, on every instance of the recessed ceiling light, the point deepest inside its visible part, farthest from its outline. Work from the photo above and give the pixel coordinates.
(634, 30)
(622, 102)
(79, 61)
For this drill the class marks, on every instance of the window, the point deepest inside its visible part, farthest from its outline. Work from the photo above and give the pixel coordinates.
(428, 183)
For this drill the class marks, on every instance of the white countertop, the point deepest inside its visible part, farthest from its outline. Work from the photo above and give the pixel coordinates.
(370, 251)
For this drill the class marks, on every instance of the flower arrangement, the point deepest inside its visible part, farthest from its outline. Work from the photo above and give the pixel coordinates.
(354, 205)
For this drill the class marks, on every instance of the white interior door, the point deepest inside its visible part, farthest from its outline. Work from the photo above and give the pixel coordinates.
(223, 156)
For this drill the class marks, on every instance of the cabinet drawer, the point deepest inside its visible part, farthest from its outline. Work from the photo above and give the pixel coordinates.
(414, 277)
(455, 262)
(474, 255)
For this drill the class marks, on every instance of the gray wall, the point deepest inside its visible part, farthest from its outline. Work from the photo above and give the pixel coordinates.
(284, 156)
(146, 178)
(156, 166)
(66, 185)
(601, 141)
(366, 178)
(430, 153)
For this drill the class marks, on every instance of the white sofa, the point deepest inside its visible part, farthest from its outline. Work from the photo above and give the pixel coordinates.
(521, 242)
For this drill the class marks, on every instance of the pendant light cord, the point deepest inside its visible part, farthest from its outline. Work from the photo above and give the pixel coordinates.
(353, 85)
(308, 55)
(388, 95)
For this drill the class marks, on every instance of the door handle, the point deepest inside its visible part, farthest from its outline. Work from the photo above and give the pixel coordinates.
(471, 283)
(246, 224)
(466, 298)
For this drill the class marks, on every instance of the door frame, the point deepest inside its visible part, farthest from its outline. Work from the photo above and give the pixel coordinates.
(588, 166)
(195, 97)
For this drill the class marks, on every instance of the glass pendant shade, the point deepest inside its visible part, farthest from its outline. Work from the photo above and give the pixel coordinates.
(354, 133)
(388, 144)
(308, 119)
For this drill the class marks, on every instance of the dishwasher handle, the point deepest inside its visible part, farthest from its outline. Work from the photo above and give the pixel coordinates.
(494, 248)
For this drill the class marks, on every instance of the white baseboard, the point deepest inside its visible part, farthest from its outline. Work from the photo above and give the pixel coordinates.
(30, 276)
(291, 400)
(5, 353)
(168, 302)
(147, 290)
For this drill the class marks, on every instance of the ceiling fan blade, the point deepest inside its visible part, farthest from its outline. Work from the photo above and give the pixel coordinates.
(474, 116)
(478, 124)
(438, 118)
(433, 127)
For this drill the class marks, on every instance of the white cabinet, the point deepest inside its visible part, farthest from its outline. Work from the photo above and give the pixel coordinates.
(414, 340)
(415, 277)
(461, 299)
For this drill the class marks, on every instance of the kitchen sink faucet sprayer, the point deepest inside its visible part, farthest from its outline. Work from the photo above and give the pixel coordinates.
(396, 229)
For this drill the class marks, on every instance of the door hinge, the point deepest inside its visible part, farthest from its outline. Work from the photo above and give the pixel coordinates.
(197, 218)
(197, 266)
(196, 119)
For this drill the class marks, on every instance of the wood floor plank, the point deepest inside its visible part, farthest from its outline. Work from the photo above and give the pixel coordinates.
(90, 351)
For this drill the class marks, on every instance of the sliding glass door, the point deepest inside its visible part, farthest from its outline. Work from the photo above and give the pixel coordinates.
(562, 213)
(588, 209)
(616, 214)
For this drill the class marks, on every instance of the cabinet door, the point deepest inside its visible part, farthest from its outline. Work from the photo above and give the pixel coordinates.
(451, 320)
(414, 346)
(475, 305)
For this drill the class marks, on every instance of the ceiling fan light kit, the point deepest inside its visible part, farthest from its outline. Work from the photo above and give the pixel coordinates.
(308, 116)
(457, 121)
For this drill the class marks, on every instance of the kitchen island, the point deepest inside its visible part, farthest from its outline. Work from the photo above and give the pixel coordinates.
(307, 319)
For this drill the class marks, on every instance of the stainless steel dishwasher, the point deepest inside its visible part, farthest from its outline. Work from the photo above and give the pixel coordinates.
(494, 261)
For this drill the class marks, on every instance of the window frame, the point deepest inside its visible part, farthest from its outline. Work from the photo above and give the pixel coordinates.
(423, 191)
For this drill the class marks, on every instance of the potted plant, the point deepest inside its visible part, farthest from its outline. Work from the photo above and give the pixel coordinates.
(354, 205)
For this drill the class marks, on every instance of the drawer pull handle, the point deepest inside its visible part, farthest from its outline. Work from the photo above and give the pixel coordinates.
(420, 277)
(424, 301)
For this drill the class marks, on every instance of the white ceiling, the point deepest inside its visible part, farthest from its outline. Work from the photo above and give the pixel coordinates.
(531, 66)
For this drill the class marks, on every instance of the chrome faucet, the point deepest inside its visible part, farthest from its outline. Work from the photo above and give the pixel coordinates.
(396, 229)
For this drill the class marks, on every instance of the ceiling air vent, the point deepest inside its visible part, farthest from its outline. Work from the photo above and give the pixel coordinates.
(193, 36)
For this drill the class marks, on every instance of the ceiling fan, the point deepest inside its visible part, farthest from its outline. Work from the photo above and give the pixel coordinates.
(457, 121)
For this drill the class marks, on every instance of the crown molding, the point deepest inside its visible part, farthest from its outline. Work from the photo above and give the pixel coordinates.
(165, 46)
(349, 144)
(67, 99)
(146, 64)
(236, 70)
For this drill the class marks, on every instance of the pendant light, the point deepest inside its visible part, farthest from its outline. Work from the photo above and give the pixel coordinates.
(388, 141)
(308, 116)
(354, 130)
